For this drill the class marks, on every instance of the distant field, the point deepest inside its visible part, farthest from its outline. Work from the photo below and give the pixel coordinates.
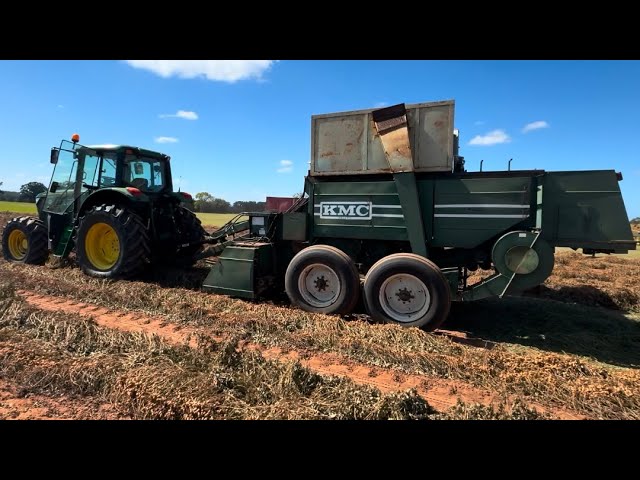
(215, 219)
(18, 207)
(208, 219)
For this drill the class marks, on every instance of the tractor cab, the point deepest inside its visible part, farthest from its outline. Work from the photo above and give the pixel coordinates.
(79, 170)
(82, 172)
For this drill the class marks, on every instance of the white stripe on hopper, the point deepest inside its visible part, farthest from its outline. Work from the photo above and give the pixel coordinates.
(481, 205)
(474, 215)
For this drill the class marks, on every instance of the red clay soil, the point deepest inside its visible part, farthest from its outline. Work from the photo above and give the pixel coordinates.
(14, 405)
(128, 322)
(440, 393)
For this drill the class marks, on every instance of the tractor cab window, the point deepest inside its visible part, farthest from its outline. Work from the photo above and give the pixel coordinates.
(108, 171)
(63, 188)
(145, 174)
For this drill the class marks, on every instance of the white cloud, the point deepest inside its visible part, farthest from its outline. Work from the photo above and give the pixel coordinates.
(60, 106)
(286, 166)
(492, 138)
(215, 70)
(529, 127)
(479, 122)
(166, 140)
(380, 104)
(186, 114)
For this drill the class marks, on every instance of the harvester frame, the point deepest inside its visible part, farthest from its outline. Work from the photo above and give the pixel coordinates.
(389, 213)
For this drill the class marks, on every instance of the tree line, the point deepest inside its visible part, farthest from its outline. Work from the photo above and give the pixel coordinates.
(207, 203)
(204, 201)
(27, 193)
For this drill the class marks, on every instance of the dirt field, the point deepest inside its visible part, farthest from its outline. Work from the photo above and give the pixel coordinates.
(77, 347)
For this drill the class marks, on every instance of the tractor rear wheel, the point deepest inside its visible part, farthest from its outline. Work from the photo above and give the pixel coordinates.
(409, 290)
(112, 242)
(24, 240)
(323, 279)
(189, 230)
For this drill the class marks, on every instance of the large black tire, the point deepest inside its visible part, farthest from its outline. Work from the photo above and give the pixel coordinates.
(24, 240)
(124, 229)
(189, 230)
(408, 290)
(323, 279)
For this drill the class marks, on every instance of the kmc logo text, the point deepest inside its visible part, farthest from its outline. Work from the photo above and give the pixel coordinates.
(346, 210)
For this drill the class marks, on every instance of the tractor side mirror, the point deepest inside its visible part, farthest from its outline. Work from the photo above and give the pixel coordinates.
(54, 155)
(53, 187)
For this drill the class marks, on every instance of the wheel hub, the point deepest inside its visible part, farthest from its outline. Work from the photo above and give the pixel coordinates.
(102, 246)
(18, 244)
(319, 285)
(404, 297)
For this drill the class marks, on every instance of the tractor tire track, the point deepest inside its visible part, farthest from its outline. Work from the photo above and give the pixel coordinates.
(442, 394)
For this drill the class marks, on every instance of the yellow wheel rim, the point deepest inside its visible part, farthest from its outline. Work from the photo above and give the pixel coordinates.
(102, 246)
(18, 244)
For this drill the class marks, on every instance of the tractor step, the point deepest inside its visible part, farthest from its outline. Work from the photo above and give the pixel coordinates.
(65, 244)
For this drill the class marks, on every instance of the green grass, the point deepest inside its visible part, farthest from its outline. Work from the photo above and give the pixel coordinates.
(18, 207)
(215, 219)
(208, 219)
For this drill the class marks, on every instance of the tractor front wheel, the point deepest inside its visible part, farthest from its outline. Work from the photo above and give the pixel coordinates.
(24, 240)
(112, 242)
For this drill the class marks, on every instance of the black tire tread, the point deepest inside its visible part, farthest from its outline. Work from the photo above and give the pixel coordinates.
(36, 232)
(190, 230)
(134, 245)
(353, 294)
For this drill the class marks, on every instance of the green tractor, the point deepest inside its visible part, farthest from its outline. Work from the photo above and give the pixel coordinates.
(115, 206)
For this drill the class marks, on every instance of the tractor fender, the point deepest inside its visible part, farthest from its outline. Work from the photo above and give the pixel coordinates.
(112, 196)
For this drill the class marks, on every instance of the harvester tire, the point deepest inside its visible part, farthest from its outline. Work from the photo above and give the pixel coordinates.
(24, 240)
(189, 230)
(323, 279)
(112, 242)
(408, 290)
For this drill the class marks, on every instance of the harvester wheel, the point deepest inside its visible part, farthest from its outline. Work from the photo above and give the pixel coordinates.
(189, 230)
(112, 242)
(323, 279)
(409, 290)
(24, 240)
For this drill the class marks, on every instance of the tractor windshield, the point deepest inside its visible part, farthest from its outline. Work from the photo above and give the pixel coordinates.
(74, 173)
(145, 173)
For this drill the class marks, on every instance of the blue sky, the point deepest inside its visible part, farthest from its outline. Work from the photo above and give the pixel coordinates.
(240, 130)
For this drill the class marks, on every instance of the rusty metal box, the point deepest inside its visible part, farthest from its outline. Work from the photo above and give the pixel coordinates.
(346, 143)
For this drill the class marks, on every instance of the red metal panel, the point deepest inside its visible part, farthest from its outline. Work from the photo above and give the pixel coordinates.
(279, 204)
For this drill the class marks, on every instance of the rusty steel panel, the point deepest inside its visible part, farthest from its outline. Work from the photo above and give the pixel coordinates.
(347, 143)
(391, 125)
